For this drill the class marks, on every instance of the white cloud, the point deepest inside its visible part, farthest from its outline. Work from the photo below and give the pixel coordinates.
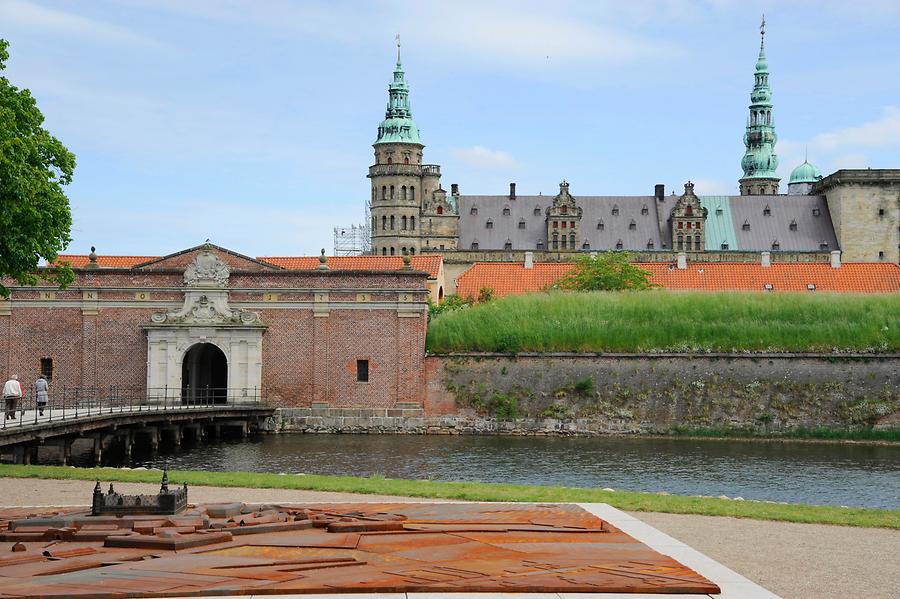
(882, 132)
(710, 187)
(27, 15)
(481, 157)
(850, 161)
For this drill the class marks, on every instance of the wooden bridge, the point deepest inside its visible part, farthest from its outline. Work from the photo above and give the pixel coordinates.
(113, 417)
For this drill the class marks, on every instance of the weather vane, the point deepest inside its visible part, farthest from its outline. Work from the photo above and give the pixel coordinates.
(762, 28)
(398, 47)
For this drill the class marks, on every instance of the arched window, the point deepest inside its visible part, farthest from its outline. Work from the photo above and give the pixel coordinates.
(392, 192)
(556, 241)
(564, 240)
(564, 209)
(403, 223)
(392, 222)
(384, 251)
(384, 223)
(403, 251)
(412, 251)
(412, 193)
(383, 192)
(403, 192)
(412, 223)
(680, 242)
(406, 159)
(506, 211)
(392, 251)
(572, 241)
(440, 210)
(390, 160)
(688, 243)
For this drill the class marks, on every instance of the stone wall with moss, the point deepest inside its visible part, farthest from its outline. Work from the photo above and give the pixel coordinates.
(594, 394)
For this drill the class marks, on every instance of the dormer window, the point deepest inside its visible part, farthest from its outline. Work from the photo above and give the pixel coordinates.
(540, 244)
(489, 224)
(767, 211)
(745, 226)
(474, 210)
(632, 225)
(724, 245)
(440, 209)
(508, 245)
(521, 223)
(793, 225)
(585, 246)
(537, 210)
(719, 211)
(475, 245)
(645, 210)
(615, 210)
(600, 225)
(776, 246)
(650, 244)
(506, 211)
(689, 210)
(817, 211)
(619, 245)
(823, 245)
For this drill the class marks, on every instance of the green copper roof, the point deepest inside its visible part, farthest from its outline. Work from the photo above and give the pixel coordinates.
(398, 125)
(805, 173)
(719, 224)
(760, 160)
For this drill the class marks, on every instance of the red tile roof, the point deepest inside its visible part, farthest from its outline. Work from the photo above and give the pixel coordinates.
(509, 278)
(429, 264)
(79, 260)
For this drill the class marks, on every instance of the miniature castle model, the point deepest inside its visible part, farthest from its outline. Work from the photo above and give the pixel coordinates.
(167, 502)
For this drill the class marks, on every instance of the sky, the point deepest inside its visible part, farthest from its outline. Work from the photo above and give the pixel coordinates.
(250, 122)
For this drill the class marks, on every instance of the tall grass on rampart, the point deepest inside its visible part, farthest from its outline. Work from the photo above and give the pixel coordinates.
(654, 321)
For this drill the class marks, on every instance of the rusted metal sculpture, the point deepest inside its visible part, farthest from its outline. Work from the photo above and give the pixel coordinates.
(235, 548)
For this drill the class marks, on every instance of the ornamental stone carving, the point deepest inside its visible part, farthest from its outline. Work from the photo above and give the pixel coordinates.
(207, 270)
(205, 309)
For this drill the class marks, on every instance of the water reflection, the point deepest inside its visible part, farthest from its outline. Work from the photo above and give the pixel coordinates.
(853, 475)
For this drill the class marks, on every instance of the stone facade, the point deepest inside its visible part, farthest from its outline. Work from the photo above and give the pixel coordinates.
(865, 209)
(688, 220)
(296, 336)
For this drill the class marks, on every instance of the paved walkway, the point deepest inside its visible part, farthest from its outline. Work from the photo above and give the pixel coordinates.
(796, 561)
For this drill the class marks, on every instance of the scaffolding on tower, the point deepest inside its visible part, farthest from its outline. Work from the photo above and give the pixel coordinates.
(354, 240)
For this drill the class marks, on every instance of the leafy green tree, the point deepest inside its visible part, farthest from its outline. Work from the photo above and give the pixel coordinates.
(34, 212)
(608, 271)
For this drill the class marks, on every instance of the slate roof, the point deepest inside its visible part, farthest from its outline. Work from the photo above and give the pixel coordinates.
(510, 278)
(811, 232)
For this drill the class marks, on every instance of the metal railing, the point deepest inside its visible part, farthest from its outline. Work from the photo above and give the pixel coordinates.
(416, 170)
(69, 403)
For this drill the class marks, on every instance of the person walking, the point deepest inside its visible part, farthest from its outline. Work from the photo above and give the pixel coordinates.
(12, 392)
(42, 389)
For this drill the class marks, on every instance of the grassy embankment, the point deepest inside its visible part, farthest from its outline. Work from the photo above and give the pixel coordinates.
(626, 500)
(662, 321)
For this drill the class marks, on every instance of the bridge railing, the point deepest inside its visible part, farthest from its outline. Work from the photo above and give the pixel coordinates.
(67, 403)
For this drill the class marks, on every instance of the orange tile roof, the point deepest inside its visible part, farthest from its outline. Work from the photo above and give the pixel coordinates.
(79, 260)
(509, 278)
(429, 264)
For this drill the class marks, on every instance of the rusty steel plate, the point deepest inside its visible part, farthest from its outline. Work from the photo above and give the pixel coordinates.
(237, 549)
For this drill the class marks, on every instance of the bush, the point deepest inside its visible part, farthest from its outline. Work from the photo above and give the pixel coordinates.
(607, 271)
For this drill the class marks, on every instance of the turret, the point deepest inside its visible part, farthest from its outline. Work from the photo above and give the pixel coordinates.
(760, 162)
(401, 184)
(803, 178)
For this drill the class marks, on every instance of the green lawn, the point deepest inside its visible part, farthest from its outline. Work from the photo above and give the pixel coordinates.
(641, 502)
(672, 321)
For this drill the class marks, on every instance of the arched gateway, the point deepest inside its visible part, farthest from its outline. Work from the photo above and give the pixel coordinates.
(205, 351)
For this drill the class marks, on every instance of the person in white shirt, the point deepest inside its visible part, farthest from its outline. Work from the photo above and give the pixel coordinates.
(12, 392)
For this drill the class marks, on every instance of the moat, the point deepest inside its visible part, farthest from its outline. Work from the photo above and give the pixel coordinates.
(817, 473)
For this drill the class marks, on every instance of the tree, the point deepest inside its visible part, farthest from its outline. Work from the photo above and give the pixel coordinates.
(608, 271)
(34, 212)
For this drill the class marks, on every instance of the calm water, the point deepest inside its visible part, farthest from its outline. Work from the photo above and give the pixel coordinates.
(852, 475)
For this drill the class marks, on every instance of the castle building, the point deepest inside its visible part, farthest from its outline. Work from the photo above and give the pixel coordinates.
(856, 212)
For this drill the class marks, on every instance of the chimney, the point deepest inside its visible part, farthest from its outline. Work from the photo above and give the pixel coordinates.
(529, 257)
(836, 259)
(454, 189)
(765, 259)
(682, 261)
(512, 191)
(659, 190)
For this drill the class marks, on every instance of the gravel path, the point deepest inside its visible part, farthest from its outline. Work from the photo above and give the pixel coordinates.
(796, 561)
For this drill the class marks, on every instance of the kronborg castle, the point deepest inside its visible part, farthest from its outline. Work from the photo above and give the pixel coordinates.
(856, 212)
(348, 332)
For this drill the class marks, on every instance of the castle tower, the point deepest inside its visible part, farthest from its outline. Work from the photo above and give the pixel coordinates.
(400, 182)
(760, 162)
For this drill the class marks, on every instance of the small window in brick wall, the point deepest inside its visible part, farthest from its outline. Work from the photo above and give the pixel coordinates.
(47, 368)
(362, 371)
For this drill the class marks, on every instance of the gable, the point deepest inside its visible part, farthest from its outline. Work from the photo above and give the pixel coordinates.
(180, 260)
